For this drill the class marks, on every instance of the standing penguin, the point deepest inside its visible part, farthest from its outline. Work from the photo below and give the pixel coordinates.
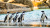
(21, 17)
(11, 17)
(16, 17)
(6, 16)
(43, 16)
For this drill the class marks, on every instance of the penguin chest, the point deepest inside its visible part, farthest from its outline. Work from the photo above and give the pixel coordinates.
(43, 17)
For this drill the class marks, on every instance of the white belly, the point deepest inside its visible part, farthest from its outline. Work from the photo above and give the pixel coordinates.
(43, 17)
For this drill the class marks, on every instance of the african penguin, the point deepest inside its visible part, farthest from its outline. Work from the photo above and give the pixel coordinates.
(21, 17)
(43, 16)
(6, 16)
(10, 18)
(16, 17)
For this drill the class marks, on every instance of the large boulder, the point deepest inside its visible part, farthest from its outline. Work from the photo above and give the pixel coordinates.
(4, 5)
(5, 0)
(25, 2)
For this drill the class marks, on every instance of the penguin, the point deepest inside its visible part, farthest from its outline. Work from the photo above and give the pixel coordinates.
(43, 16)
(11, 17)
(21, 17)
(6, 16)
(15, 18)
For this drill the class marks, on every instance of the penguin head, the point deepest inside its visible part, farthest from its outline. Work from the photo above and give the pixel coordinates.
(42, 11)
(13, 13)
(23, 12)
(8, 12)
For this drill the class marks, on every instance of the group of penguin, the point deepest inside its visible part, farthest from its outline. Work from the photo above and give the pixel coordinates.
(20, 18)
(17, 17)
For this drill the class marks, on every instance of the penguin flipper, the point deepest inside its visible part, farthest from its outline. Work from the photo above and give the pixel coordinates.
(14, 19)
(46, 17)
(19, 19)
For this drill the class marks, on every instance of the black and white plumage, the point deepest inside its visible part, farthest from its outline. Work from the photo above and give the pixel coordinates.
(11, 17)
(6, 16)
(43, 16)
(21, 17)
(15, 18)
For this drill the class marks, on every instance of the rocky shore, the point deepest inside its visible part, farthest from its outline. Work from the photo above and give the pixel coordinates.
(16, 4)
(14, 10)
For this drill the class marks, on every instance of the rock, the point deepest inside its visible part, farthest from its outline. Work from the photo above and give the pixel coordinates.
(4, 5)
(5, 0)
(25, 2)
